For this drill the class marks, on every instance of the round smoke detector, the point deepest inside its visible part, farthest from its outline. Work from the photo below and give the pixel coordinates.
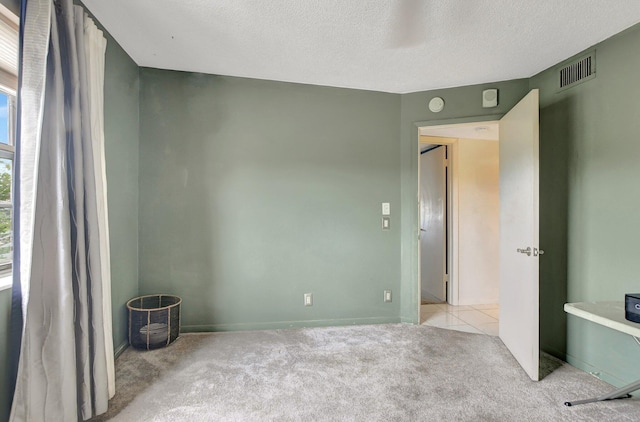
(436, 104)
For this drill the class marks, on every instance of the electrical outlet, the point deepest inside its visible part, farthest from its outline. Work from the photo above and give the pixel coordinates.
(387, 296)
(386, 223)
(308, 299)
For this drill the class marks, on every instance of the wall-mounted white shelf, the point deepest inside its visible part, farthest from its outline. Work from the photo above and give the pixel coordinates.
(609, 314)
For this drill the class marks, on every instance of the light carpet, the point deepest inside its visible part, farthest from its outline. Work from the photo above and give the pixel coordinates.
(392, 372)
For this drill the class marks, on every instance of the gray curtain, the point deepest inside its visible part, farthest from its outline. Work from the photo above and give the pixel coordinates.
(64, 370)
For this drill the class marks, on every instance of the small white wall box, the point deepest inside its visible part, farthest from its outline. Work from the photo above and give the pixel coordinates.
(489, 98)
(632, 307)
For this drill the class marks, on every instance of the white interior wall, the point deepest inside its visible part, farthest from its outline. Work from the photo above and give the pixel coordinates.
(479, 221)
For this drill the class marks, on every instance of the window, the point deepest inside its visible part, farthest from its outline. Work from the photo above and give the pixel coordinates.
(7, 119)
(8, 87)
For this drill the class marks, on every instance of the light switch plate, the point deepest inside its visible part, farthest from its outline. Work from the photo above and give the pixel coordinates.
(386, 208)
(387, 296)
(386, 223)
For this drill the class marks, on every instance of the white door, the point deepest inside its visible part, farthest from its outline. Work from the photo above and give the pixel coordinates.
(432, 224)
(519, 232)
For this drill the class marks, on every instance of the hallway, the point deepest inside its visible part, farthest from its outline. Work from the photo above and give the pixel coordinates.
(479, 319)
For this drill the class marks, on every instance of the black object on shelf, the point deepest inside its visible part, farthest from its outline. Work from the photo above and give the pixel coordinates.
(154, 321)
(632, 307)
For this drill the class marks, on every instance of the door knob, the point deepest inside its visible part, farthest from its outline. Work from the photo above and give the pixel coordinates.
(537, 252)
(525, 251)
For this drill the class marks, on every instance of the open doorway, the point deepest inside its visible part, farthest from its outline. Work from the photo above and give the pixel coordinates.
(459, 226)
(519, 252)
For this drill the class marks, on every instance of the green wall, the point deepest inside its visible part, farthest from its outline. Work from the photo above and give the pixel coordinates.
(253, 193)
(461, 104)
(121, 131)
(590, 153)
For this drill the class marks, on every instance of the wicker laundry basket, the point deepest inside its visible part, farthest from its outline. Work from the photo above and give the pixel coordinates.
(154, 321)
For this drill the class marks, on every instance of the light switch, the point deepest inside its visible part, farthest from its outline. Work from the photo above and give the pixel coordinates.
(386, 223)
(386, 208)
(387, 296)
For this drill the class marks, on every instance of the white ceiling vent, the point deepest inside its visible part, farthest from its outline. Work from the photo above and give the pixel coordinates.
(577, 71)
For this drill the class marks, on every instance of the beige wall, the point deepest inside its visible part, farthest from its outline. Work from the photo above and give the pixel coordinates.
(479, 221)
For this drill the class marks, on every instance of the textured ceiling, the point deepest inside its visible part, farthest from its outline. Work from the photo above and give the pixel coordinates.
(393, 46)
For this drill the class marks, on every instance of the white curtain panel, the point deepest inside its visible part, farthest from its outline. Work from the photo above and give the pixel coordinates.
(37, 29)
(95, 48)
(66, 370)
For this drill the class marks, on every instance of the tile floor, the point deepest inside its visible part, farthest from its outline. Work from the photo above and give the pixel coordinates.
(479, 319)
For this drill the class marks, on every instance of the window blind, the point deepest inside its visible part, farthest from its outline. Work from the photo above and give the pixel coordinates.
(8, 49)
